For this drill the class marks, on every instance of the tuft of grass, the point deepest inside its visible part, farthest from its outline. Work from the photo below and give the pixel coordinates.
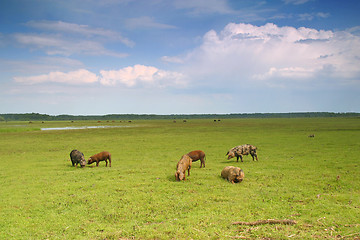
(314, 181)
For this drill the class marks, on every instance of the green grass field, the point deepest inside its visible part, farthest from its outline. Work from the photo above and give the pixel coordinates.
(314, 181)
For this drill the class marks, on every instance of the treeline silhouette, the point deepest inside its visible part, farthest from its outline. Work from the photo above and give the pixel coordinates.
(46, 117)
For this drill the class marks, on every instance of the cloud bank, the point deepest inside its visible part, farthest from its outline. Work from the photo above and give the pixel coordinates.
(274, 56)
(81, 76)
(127, 77)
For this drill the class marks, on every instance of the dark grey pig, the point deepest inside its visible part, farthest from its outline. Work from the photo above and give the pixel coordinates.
(77, 157)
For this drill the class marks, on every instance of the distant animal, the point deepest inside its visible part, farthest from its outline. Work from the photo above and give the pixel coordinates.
(239, 151)
(103, 156)
(311, 135)
(77, 157)
(233, 174)
(181, 167)
(197, 155)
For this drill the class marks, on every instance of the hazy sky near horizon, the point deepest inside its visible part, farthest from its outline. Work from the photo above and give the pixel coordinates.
(179, 56)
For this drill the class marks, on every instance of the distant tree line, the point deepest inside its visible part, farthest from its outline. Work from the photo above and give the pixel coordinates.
(111, 117)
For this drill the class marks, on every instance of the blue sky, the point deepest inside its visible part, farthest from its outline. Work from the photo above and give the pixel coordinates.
(179, 56)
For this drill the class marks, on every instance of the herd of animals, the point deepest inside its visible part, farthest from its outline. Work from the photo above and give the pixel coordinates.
(230, 173)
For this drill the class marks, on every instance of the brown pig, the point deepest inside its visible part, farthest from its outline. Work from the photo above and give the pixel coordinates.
(233, 174)
(197, 155)
(103, 156)
(181, 167)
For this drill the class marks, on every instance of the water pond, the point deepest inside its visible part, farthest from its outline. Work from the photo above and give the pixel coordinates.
(82, 127)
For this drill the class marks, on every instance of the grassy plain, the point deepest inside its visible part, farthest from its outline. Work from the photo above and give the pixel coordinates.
(314, 181)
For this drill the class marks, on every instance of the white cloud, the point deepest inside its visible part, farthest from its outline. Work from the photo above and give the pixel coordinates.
(2, 42)
(204, 6)
(40, 65)
(58, 45)
(131, 76)
(138, 76)
(66, 39)
(146, 22)
(245, 54)
(170, 79)
(78, 29)
(311, 16)
(296, 2)
(172, 59)
(81, 76)
(288, 72)
(128, 76)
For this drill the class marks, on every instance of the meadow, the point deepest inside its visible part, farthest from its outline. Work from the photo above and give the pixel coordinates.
(314, 181)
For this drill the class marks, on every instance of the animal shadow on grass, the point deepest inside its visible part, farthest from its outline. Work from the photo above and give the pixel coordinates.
(226, 161)
(232, 161)
(171, 178)
(75, 167)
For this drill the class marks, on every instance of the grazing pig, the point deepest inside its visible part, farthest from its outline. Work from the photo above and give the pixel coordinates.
(239, 151)
(233, 174)
(103, 156)
(196, 155)
(77, 157)
(181, 167)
